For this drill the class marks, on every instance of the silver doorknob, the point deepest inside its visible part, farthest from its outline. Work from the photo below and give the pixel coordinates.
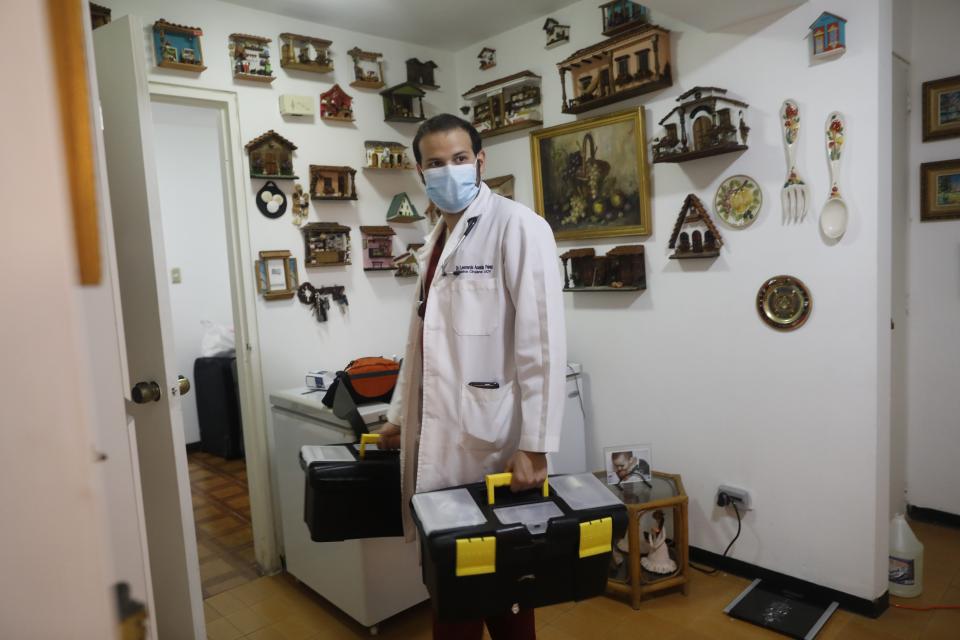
(144, 392)
(184, 385)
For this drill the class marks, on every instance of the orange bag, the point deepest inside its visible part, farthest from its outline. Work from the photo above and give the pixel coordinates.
(367, 379)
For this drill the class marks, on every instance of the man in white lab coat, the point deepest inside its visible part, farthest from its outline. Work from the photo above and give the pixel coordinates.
(481, 389)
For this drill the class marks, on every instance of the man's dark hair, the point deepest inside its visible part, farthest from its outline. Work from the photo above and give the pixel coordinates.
(445, 122)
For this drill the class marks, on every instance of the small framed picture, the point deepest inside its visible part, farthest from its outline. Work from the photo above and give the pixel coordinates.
(941, 108)
(628, 463)
(940, 190)
(276, 275)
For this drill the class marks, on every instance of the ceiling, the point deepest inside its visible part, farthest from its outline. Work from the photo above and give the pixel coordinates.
(447, 24)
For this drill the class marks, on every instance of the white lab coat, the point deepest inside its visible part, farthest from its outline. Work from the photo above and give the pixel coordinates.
(500, 320)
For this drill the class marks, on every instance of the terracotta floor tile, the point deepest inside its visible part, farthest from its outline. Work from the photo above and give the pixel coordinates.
(228, 491)
(296, 627)
(238, 538)
(255, 591)
(221, 629)
(220, 585)
(214, 568)
(226, 603)
(209, 613)
(248, 621)
(211, 483)
(276, 608)
(220, 526)
(266, 634)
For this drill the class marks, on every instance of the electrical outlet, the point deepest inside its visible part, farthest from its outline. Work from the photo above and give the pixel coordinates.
(741, 496)
(175, 275)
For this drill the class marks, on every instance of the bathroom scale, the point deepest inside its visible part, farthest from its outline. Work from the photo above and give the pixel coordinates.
(781, 610)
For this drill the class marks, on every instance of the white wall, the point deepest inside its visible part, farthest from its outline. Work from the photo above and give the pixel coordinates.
(933, 405)
(291, 340)
(795, 418)
(194, 231)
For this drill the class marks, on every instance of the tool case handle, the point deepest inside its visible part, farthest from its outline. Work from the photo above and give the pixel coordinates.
(365, 439)
(495, 480)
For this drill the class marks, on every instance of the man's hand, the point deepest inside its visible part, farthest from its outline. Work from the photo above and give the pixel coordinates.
(529, 469)
(389, 436)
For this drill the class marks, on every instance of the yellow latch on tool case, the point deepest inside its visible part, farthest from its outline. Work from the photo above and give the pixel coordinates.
(365, 439)
(476, 556)
(596, 537)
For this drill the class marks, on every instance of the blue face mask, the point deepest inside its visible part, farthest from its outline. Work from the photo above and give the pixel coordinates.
(453, 187)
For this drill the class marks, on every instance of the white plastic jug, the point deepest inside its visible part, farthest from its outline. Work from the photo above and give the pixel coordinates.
(906, 560)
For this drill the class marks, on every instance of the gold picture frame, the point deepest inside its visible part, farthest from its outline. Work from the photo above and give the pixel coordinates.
(941, 108)
(277, 277)
(591, 178)
(940, 190)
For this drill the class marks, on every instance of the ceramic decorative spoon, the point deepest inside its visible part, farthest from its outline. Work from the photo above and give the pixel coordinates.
(833, 217)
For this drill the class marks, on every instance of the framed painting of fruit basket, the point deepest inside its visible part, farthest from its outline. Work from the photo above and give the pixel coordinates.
(591, 177)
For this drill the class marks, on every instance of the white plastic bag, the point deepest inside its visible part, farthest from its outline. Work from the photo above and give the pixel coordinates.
(218, 340)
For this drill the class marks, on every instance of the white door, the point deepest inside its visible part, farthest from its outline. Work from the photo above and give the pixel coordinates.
(127, 132)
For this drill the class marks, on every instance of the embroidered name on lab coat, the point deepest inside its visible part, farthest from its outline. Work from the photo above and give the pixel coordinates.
(474, 269)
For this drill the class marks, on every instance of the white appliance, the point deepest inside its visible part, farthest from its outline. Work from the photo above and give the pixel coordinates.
(370, 580)
(572, 456)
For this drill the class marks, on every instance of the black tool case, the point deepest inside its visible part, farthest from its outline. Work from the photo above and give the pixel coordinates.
(352, 491)
(484, 557)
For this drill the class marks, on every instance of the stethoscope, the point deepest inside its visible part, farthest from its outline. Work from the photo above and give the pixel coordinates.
(471, 223)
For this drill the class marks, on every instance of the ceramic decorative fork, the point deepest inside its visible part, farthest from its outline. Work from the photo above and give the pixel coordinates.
(794, 195)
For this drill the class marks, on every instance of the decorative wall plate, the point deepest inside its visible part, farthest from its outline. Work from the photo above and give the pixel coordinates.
(738, 201)
(784, 303)
(271, 201)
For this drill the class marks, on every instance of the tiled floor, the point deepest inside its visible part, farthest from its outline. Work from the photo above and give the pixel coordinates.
(278, 608)
(221, 510)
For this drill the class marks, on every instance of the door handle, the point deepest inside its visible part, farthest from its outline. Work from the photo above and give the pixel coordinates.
(184, 385)
(144, 392)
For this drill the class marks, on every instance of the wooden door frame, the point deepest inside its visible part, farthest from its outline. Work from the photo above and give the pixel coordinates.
(243, 300)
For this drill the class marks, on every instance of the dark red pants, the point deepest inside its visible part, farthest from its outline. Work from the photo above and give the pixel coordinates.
(512, 626)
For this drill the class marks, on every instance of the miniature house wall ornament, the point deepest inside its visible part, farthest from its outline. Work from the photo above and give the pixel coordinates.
(271, 156)
(177, 46)
(251, 57)
(300, 203)
(556, 33)
(694, 234)
(406, 263)
(705, 123)
(325, 244)
(335, 104)
(99, 15)
(623, 268)
(828, 35)
(402, 209)
(501, 185)
(367, 69)
(305, 53)
(622, 15)
(386, 155)
(487, 58)
(422, 73)
(403, 103)
(378, 248)
(635, 62)
(505, 105)
(332, 182)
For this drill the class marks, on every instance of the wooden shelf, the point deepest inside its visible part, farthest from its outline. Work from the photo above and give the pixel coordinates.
(326, 264)
(405, 219)
(181, 66)
(368, 84)
(253, 77)
(380, 268)
(623, 288)
(389, 168)
(516, 126)
(337, 118)
(689, 255)
(404, 119)
(701, 153)
(333, 197)
(654, 85)
(266, 177)
(307, 66)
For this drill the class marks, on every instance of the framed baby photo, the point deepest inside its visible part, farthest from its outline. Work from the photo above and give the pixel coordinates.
(941, 108)
(276, 275)
(625, 464)
(940, 190)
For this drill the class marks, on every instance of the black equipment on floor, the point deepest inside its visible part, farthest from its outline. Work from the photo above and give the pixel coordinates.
(218, 406)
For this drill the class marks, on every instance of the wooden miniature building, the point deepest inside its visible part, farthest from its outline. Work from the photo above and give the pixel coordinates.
(326, 244)
(99, 15)
(622, 15)
(702, 125)
(386, 155)
(501, 185)
(694, 234)
(828, 35)
(556, 33)
(421, 73)
(177, 46)
(271, 156)
(505, 105)
(367, 69)
(406, 263)
(336, 104)
(623, 268)
(487, 58)
(630, 64)
(332, 183)
(378, 248)
(305, 53)
(251, 57)
(403, 103)
(402, 210)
